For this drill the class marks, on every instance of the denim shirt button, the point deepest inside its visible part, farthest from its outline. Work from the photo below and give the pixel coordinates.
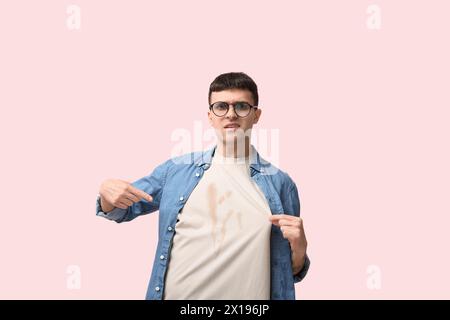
(161, 257)
(197, 174)
(157, 289)
(169, 228)
(181, 198)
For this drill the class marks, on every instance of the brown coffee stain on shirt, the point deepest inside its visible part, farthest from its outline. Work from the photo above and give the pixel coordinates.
(224, 229)
(214, 201)
(222, 198)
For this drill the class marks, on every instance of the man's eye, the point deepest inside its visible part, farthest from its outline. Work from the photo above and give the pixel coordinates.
(221, 107)
(242, 106)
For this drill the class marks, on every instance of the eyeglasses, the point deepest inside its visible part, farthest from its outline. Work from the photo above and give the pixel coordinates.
(241, 108)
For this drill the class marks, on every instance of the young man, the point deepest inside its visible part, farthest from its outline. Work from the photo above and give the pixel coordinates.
(229, 225)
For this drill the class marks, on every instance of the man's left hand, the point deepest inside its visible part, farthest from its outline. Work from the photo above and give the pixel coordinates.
(292, 229)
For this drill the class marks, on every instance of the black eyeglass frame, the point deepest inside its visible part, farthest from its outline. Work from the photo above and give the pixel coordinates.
(234, 106)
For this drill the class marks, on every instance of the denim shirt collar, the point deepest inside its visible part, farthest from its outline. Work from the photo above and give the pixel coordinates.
(257, 163)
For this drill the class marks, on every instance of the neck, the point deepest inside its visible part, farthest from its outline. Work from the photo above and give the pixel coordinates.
(234, 149)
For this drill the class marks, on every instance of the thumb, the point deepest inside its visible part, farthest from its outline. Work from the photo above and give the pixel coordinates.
(274, 220)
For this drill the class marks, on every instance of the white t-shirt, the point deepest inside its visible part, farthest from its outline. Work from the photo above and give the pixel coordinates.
(221, 246)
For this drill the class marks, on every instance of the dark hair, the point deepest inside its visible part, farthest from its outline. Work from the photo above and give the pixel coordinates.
(234, 80)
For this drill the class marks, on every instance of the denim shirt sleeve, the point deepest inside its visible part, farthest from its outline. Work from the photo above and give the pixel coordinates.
(299, 276)
(293, 205)
(152, 184)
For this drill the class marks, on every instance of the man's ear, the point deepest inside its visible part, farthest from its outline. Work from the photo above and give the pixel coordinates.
(257, 115)
(210, 118)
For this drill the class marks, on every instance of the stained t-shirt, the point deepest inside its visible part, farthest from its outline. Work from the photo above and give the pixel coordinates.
(221, 246)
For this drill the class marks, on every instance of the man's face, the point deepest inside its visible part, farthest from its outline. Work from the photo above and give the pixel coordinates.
(223, 125)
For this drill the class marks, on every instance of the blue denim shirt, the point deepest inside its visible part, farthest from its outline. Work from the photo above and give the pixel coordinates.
(170, 185)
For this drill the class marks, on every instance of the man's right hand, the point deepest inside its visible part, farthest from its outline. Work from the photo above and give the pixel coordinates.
(120, 194)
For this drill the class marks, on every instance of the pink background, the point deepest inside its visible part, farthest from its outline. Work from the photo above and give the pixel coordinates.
(362, 114)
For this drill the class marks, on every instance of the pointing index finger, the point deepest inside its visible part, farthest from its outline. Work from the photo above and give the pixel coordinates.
(141, 194)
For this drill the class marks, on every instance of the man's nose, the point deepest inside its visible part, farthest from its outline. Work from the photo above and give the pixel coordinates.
(231, 113)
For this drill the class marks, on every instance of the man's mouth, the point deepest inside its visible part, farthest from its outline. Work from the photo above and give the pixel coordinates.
(231, 126)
